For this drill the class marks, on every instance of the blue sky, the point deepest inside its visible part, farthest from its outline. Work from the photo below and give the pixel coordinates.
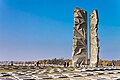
(39, 29)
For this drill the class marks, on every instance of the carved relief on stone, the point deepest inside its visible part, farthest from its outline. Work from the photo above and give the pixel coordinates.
(79, 50)
(94, 46)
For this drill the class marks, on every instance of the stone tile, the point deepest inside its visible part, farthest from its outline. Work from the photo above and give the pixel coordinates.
(86, 74)
(93, 78)
(83, 70)
(99, 72)
(43, 71)
(90, 69)
(59, 70)
(72, 75)
(99, 68)
(4, 74)
(108, 72)
(21, 73)
(80, 78)
(53, 70)
(78, 69)
(24, 77)
(57, 76)
(42, 77)
(104, 76)
(115, 75)
(7, 79)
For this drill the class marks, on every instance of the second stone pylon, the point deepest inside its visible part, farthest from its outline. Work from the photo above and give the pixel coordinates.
(94, 46)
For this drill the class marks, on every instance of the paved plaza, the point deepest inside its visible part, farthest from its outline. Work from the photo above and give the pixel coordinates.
(58, 73)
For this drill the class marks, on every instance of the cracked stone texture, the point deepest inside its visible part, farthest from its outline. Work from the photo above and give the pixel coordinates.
(94, 46)
(79, 50)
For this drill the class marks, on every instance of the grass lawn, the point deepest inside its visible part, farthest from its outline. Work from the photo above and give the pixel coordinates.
(1, 71)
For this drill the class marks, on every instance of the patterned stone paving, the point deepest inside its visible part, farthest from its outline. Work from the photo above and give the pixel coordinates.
(62, 74)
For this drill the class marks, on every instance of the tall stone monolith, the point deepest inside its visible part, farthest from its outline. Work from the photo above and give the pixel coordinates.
(79, 50)
(94, 46)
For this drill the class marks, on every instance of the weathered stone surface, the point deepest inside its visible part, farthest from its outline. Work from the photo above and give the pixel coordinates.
(94, 46)
(79, 50)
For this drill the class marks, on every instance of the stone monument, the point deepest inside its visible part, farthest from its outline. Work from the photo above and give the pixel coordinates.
(79, 50)
(94, 46)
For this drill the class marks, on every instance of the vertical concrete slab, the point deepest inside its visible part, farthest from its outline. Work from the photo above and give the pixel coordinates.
(94, 41)
(79, 50)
